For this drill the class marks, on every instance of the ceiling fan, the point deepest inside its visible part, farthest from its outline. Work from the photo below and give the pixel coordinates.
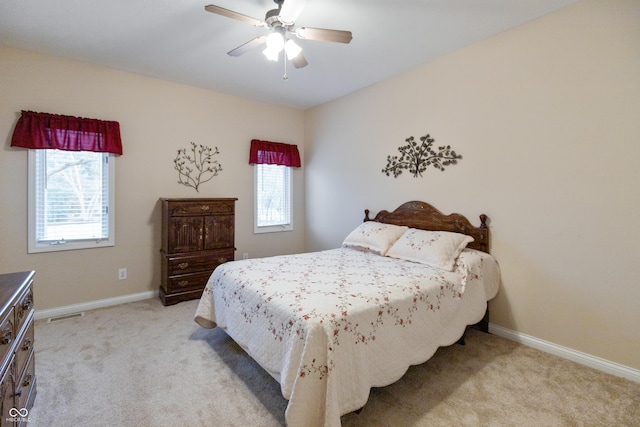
(281, 23)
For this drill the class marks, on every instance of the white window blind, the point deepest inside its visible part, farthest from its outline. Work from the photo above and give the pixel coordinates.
(272, 198)
(71, 200)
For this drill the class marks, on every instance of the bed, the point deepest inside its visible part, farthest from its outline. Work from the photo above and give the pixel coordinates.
(330, 325)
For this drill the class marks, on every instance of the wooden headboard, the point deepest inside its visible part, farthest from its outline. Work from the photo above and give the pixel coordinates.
(425, 217)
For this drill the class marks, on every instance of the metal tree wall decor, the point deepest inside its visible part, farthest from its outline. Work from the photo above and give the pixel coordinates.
(197, 166)
(416, 158)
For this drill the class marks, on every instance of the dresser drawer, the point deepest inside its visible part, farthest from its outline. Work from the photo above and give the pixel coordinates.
(25, 386)
(203, 207)
(24, 348)
(7, 390)
(198, 263)
(23, 308)
(187, 282)
(7, 334)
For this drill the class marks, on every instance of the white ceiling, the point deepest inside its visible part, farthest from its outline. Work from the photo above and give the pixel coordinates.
(177, 40)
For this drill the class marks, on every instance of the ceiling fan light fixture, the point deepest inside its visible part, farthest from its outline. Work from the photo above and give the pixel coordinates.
(292, 49)
(275, 40)
(271, 54)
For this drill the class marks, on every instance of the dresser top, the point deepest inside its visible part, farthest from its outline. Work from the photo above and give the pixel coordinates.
(11, 285)
(199, 199)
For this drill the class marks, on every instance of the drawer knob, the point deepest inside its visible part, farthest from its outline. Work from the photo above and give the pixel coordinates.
(27, 381)
(183, 283)
(183, 265)
(26, 305)
(222, 260)
(7, 336)
(204, 208)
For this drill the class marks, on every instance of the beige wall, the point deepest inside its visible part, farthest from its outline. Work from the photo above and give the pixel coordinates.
(156, 119)
(546, 117)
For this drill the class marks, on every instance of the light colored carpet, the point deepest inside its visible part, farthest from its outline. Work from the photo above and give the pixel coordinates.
(142, 364)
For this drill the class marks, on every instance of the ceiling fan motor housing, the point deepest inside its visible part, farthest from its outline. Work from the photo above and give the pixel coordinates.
(271, 18)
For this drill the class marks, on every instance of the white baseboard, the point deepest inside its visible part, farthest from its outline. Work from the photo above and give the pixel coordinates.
(568, 353)
(91, 305)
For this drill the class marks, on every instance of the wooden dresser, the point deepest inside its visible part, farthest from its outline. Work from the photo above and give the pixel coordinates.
(18, 380)
(197, 236)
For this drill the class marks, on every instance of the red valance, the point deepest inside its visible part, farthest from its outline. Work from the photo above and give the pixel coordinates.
(274, 153)
(68, 133)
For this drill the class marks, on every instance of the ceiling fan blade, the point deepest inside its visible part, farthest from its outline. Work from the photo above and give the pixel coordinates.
(235, 15)
(290, 10)
(324, 34)
(299, 61)
(248, 46)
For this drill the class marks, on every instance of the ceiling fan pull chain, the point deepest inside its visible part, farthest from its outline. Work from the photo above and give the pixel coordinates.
(285, 77)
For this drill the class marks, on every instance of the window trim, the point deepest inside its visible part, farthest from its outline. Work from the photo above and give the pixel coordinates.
(271, 228)
(33, 246)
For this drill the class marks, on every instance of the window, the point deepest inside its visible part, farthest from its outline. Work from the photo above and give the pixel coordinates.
(272, 198)
(71, 176)
(71, 200)
(272, 171)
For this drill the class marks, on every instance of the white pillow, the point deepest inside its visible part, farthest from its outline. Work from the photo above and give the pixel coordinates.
(438, 249)
(374, 236)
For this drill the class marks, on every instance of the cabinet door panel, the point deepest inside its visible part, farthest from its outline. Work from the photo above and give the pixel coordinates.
(219, 231)
(185, 234)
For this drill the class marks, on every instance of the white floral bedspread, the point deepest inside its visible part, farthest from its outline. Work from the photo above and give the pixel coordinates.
(330, 325)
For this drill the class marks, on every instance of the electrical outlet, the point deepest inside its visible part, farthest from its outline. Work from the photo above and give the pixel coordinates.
(245, 255)
(122, 274)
